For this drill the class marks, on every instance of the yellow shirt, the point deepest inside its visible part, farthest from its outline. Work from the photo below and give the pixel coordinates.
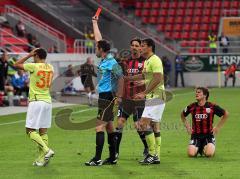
(154, 65)
(40, 81)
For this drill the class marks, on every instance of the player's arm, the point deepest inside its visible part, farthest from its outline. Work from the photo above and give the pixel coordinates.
(96, 31)
(186, 123)
(134, 77)
(220, 123)
(20, 62)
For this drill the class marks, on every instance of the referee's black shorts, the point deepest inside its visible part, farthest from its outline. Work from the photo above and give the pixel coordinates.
(87, 82)
(105, 106)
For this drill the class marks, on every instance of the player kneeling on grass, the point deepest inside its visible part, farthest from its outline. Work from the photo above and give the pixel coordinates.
(202, 131)
(39, 112)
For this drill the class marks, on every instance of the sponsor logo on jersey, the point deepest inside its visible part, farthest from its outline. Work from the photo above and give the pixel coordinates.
(201, 116)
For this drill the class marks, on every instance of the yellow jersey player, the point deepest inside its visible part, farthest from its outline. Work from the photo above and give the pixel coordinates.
(39, 111)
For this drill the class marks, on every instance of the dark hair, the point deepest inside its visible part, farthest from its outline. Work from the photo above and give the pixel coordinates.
(136, 39)
(41, 53)
(104, 45)
(150, 43)
(204, 90)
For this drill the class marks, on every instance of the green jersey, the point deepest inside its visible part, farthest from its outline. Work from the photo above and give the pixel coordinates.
(154, 65)
(41, 75)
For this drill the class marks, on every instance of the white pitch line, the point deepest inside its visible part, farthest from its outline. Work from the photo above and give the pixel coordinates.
(15, 122)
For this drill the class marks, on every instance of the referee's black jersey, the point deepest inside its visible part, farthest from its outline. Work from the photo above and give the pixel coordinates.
(202, 117)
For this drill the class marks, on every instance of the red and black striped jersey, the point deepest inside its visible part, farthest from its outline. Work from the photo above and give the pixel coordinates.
(202, 117)
(132, 67)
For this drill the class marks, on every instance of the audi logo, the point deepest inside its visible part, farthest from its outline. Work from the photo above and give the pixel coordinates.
(201, 116)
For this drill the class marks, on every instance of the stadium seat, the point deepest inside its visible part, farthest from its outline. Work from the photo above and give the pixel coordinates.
(169, 27)
(156, 5)
(191, 50)
(205, 19)
(176, 35)
(203, 35)
(161, 20)
(184, 43)
(171, 12)
(173, 5)
(198, 12)
(147, 5)
(185, 35)
(145, 20)
(189, 12)
(199, 4)
(153, 20)
(195, 27)
(235, 5)
(186, 27)
(165, 4)
(208, 4)
(179, 20)
(190, 4)
(226, 4)
(168, 35)
(194, 35)
(163, 12)
(170, 20)
(216, 12)
(146, 12)
(214, 27)
(182, 4)
(203, 43)
(197, 20)
(192, 43)
(178, 27)
(154, 12)
(188, 19)
(217, 4)
(160, 28)
(180, 12)
(204, 27)
(214, 19)
(207, 12)
(139, 5)
(138, 12)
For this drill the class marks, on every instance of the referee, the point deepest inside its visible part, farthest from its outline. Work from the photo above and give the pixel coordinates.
(110, 78)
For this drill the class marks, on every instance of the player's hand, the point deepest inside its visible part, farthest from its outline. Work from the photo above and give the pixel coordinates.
(141, 95)
(33, 52)
(94, 19)
(215, 130)
(139, 83)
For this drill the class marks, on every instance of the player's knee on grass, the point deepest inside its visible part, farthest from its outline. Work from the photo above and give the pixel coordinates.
(209, 150)
(192, 151)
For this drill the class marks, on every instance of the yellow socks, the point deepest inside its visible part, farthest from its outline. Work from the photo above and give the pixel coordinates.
(151, 142)
(38, 139)
(158, 143)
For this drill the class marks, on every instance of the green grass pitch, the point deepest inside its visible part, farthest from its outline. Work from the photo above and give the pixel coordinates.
(73, 148)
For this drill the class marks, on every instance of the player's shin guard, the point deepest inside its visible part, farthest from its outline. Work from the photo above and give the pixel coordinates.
(34, 136)
(143, 138)
(112, 145)
(150, 141)
(158, 143)
(118, 135)
(99, 144)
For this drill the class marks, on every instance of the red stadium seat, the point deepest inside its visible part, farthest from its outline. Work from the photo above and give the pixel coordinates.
(165, 4)
(161, 20)
(215, 19)
(207, 12)
(217, 4)
(179, 20)
(216, 12)
(173, 5)
(180, 12)
(197, 20)
(146, 12)
(194, 35)
(170, 20)
(186, 27)
(145, 20)
(185, 35)
(153, 20)
(154, 12)
(182, 4)
(192, 43)
(188, 19)
(176, 35)
(203, 43)
(203, 35)
(200, 50)
(205, 19)
(204, 27)
(195, 27)
(163, 12)
(168, 35)
(178, 27)
(191, 50)
(138, 12)
(189, 12)
(156, 5)
(184, 43)
(199, 4)
(138, 4)
(235, 5)
(190, 4)
(198, 12)
(160, 28)
(214, 27)
(171, 12)
(208, 4)
(169, 27)
(147, 5)
(226, 4)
